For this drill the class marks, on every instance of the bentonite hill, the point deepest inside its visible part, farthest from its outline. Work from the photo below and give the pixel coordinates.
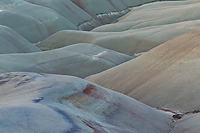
(99, 66)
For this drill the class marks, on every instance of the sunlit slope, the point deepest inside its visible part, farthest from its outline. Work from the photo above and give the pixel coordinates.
(165, 77)
(131, 42)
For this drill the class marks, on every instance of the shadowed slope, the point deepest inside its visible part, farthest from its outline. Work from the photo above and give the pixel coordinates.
(78, 60)
(36, 20)
(165, 77)
(12, 42)
(51, 103)
(70, 11)
(33, 22)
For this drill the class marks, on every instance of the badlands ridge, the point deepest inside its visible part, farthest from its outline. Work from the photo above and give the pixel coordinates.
(99, 66)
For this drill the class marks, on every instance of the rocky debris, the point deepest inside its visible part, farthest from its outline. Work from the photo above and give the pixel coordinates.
(178, 115)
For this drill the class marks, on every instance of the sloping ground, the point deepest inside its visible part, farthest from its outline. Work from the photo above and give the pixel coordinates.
(68, 10)
(36, 20)
(106, 11)
(51, 103)
(153, 14)
(142, 29)
(78, 60)
(131, 42)
(33, 22)
(12, 42)
(165, 77)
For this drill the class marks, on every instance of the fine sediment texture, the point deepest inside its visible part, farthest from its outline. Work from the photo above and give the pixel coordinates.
(24, 16)
(79, 60)
(145, 54)
(54, 103)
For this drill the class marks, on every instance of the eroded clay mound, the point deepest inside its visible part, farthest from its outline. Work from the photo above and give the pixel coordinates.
(36, 20)
(32, 102)
(78, 60)
(130, 42)
(154, 14)
(33, 22)
(12, 42)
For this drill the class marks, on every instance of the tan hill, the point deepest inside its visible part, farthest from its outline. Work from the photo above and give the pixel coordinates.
(165, 77)
(131, 42)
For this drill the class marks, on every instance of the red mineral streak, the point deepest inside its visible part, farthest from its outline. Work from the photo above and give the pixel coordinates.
(90, 90)
(98, 128)
(93, 91)
(3, 82)
(8, 76)
(23, 81)
(43, 74)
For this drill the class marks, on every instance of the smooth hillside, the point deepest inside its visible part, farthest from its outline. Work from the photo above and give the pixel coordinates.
(131, 42)
(36, 20)
(78, 60)
(165, 77)
(31, 102)
(12, 42)
(154, 14)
